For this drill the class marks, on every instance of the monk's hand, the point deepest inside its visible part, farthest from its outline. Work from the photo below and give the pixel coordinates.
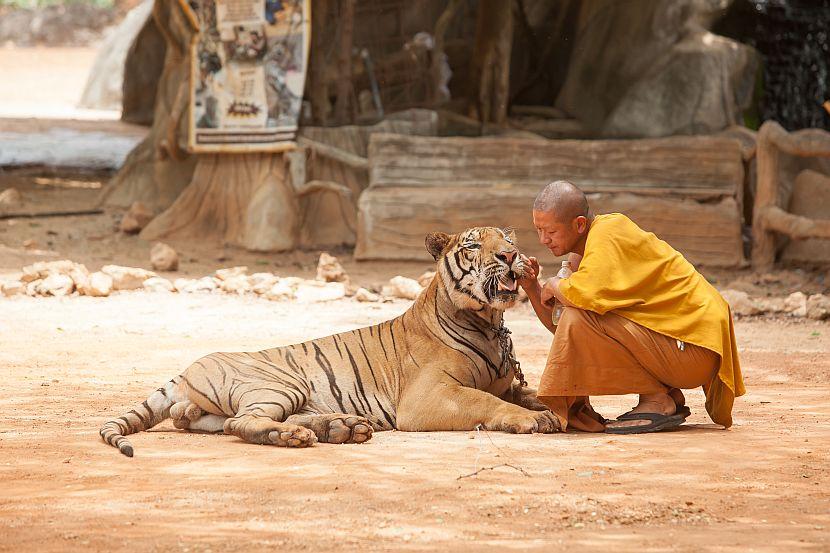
(548, 296)
(530, 273)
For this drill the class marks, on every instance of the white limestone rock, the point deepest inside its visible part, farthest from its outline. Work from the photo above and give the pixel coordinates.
(329, 269)
(13, 288)
(99, 285)
(43, 269)
(224, 274)
(237, 284)
(192, 286)
(402, 287)
(127, 278)
(32, 287)
(56, 284)
(158, 284)
(740, 302)
(796, 304)
(260, 283)
(280, 291)
(365, 295)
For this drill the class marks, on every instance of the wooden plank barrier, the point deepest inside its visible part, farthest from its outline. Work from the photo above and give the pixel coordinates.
(684, 189)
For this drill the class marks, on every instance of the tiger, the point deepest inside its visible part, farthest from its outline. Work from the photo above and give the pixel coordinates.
(447, 363)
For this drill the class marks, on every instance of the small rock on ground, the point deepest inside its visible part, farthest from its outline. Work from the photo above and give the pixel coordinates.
(329, 269)
(127, 278)
(136, 218)
(164, 258)
(365, 295)
(99, 285)
(402, 287)
(158, 284)
(818, 307)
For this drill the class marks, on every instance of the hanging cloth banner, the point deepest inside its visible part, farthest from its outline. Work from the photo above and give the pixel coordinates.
(248, 66)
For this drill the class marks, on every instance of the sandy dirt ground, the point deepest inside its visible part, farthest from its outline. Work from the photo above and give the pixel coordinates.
(68, 364)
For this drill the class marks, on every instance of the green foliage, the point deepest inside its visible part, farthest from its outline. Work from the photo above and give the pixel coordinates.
(44, 3)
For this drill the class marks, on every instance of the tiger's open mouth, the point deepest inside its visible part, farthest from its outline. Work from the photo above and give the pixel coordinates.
(507, 285)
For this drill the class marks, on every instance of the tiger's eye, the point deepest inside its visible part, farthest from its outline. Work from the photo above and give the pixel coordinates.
(472, 246)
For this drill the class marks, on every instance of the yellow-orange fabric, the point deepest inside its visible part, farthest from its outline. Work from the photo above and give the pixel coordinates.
(639, 277)
(608, 354)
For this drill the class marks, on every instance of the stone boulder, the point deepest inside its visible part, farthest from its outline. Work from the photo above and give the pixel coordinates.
(127, 278)
(13, 288)
(192, 286)
(136, 218)
(98, 285)
(164, 258)
(223, 274)
(237, 284)
(796, 304)
(261, 283)
(329, 269)
(56, 284)
(649, 68)
(402, 287)
(42, 269)
(364, 295)
(818, 307)
(740, 302)
(280, 291)
(158, 284)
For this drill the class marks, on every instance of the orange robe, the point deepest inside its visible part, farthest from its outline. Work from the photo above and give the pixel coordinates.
(639, 277)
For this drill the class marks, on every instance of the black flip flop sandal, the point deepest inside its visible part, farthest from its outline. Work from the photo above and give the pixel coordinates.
(657, 423)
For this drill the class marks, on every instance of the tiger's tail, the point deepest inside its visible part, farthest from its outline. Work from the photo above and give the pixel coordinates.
(144, 416)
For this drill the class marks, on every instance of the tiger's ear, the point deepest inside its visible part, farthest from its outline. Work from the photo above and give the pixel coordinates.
(436, 242)
(510, 233)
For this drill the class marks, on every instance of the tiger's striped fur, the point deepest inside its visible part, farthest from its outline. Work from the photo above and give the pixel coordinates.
(445, 364)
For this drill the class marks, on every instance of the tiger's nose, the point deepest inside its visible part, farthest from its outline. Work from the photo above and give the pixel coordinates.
(507, 256)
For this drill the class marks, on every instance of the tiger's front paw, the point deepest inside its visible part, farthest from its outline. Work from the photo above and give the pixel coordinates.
(542, 422)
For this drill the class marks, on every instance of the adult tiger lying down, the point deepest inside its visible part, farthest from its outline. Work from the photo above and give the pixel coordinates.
(447, 363)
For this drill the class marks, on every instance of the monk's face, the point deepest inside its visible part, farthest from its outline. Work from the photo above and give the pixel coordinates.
(560, 237)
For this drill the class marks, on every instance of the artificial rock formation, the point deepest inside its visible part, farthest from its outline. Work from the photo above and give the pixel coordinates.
(649, 68)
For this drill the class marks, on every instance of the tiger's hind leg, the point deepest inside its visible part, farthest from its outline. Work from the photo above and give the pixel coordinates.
(185, 413)
(260, 429)
(262, 419)
(336, 428)
(213, 424)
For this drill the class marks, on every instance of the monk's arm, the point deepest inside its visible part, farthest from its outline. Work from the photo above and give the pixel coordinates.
(543, 312)
(550, 291)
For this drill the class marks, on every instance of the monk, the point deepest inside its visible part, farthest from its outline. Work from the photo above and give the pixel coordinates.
(638, 319)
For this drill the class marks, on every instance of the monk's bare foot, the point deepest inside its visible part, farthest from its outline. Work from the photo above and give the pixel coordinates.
(662, 403)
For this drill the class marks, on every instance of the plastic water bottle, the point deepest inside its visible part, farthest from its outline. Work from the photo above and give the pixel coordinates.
(558, 307)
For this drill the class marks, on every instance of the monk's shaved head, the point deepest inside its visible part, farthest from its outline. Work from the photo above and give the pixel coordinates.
(563, 199)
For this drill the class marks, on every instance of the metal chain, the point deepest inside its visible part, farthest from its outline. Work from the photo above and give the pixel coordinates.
(508, 357)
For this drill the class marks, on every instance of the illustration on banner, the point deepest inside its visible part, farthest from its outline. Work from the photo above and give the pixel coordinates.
(249, 64)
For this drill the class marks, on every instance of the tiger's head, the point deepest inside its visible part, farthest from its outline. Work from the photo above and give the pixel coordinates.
(478, 267)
